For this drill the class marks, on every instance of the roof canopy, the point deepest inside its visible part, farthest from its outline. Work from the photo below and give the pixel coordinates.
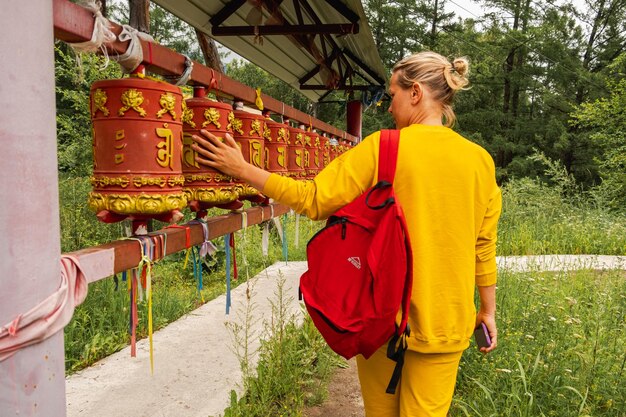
(316, 46)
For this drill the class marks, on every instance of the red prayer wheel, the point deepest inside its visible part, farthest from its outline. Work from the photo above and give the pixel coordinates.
(333, 150)
(315, 155)
(276, 142)
(296, 154)
(137, 145)
(248, 131)
(206, 187)
(324, 151)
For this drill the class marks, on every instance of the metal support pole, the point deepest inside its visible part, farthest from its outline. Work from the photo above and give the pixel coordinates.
(32, 382)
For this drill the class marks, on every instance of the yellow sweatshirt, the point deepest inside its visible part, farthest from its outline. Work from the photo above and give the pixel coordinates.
(446, 187)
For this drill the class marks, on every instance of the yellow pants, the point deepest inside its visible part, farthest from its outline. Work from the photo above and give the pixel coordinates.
(425, 389)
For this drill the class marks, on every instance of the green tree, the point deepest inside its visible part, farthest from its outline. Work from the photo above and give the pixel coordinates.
(605, 122)
(72, 99)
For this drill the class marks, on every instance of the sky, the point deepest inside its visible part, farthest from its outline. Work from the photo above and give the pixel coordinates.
(467, 8)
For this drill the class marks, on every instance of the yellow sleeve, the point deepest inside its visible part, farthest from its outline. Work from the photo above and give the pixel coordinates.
(486, 242)
(343, 180)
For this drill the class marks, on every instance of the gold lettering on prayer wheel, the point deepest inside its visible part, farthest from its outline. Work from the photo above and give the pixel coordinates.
(249, 132)
(137, 144)
(206, 187)
(313, 146)
(296, 153)
(276, 142)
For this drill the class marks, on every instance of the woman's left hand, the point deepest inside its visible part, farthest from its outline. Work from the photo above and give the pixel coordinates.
(225, 156)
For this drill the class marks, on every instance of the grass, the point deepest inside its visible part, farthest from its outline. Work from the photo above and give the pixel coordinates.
(560, 351)
(294, 363)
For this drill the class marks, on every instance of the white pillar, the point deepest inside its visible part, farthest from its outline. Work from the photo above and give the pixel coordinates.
(32, 382)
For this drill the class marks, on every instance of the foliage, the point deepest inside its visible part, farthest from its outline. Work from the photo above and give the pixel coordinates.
(294, 364)
(72, 97)
(555, 216)
(605, 120)
(560, 349)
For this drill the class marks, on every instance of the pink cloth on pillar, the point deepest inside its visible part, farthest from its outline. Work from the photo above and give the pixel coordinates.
(50, 315)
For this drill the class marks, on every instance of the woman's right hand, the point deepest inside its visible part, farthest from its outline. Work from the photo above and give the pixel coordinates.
(224, 156)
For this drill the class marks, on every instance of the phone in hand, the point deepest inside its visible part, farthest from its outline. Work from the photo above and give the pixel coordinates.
(481, 335)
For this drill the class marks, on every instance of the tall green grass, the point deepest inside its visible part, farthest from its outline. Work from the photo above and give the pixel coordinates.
(561, 349)
(539, 218)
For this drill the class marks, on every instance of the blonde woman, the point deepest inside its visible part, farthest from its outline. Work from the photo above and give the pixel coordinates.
(447, 189)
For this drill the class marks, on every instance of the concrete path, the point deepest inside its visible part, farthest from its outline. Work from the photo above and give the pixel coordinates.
(195, 367)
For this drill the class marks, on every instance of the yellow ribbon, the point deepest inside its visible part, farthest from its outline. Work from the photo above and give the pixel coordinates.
(259, 101)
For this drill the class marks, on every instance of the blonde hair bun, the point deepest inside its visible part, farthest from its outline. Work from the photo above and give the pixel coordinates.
(461, 66)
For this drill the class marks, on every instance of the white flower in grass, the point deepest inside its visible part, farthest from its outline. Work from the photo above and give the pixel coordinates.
(506, 371)
(530, 336)
(552, 318)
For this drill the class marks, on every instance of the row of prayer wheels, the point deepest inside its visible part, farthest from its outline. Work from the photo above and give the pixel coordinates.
(144, 163)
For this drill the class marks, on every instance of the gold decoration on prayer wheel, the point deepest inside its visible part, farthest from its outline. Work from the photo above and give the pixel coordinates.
(276, 141)
(324, 151)
(297, 157)
(137, 144)
(206, 187)
(248, 132)
(315, 155)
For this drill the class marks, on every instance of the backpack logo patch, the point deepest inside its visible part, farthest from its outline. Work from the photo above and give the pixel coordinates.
(356, 261)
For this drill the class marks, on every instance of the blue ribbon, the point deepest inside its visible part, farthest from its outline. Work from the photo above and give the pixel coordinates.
(285, 237)
(227, 250)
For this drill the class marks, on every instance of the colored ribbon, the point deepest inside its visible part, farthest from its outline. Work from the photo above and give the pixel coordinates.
(50, 315)
(227, 250)
(258, 101)
(285, 239)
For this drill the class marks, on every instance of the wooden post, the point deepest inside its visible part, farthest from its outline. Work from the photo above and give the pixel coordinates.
(32, 382)
(140, 15)
(354, 117)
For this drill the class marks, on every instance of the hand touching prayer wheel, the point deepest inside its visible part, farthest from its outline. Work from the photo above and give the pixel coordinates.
(137, 143)
(206, 187)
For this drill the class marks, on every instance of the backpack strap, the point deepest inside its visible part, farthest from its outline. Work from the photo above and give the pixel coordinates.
(397, 346)
(388, 155)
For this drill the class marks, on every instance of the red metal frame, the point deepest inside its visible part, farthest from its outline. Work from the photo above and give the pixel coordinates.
(73, 23)
(127, 253)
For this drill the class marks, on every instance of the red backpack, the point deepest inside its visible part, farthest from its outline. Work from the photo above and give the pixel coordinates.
(360, 271)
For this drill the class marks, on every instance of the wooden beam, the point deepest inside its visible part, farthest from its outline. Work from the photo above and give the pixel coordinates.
(340, 87)
(362, 65)
(226, 12)
(102, 261)
(73, 23)
(286, 29)
(344, 10)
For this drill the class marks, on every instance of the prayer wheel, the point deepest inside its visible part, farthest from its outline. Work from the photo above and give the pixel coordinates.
(206, 187)
(315, 155)
(324, 151)
(137, 145)
(276, 142)
(248, 129)
(296, 153)
(333, 150)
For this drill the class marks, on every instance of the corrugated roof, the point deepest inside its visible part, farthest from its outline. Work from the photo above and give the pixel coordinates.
(295, 59)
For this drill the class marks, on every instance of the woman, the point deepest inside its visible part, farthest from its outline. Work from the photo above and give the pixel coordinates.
(446, 187)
